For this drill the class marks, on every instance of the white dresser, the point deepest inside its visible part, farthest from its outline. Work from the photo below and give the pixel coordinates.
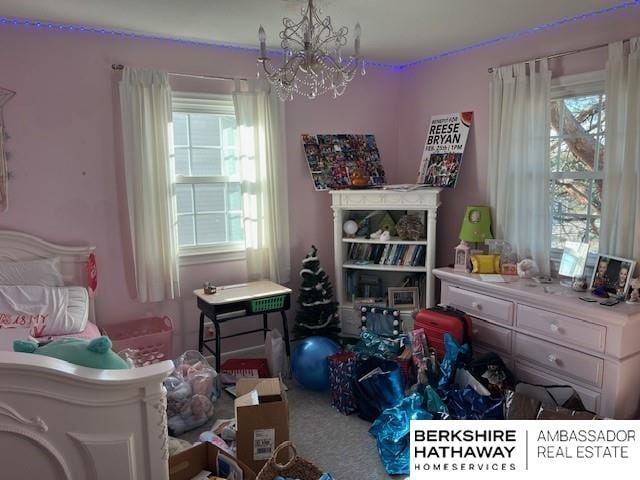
(555, 338)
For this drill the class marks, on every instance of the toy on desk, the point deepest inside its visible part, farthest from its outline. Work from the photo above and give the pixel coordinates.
(634, 295)
(209, 288)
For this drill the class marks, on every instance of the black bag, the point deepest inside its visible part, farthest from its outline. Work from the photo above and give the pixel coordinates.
(490, 370)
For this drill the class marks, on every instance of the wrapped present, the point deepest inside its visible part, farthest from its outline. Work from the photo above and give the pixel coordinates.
(341, 376)
(378, 346)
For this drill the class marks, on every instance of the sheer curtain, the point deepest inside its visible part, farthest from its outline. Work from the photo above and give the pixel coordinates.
(519, 158)
(620, 225)
(145, 104)
(261, 144)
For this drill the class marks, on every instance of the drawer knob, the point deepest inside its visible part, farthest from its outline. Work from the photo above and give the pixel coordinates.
(554, 328)
(552, 358)
(476, 305)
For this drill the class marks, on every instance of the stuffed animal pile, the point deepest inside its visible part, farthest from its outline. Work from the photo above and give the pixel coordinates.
(191, 390)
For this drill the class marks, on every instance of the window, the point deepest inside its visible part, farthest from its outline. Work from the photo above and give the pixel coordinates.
(207, 176)
(577, 144)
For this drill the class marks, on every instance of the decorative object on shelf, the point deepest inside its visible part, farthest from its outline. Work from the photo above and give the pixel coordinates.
(350, 228)
(485, 264)
(388, 223)
(613, 274)
(359, 179)
(5, 96)
(404, 298)
(462, 257)
(410, 227)
(333, 160)
(442, 156)
(476, 225)
(385, 236)
(634, 294)
(380, 320)
(313, 59)
(318, 312)
(527, 268)
(579, 283)
(309, 364)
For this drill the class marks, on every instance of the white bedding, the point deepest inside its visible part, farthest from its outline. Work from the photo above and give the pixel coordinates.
(47, 310)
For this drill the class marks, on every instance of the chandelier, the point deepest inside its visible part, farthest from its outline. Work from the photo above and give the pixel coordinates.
(312, 62)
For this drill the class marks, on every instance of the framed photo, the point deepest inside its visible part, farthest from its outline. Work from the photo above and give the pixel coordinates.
(613, 273)
(404, 298)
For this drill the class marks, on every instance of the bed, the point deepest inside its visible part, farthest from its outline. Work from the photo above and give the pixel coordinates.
(62, 421)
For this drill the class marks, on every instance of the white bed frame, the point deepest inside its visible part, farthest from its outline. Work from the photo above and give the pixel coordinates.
(62, 421)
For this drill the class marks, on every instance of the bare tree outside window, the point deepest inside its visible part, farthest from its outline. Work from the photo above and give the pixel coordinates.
(576, 154)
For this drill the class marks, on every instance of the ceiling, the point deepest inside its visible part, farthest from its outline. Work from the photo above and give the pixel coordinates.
(394, 31)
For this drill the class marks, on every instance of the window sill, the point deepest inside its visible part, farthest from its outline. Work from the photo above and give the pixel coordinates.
(199, 258)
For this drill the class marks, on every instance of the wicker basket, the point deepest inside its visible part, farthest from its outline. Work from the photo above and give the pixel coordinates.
(296, 467)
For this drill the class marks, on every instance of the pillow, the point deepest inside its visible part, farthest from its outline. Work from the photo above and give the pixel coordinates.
(46, 310)
(94, 354)
(43, 271)
(485, 263)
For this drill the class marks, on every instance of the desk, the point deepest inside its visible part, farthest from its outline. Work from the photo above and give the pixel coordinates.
(238, 301)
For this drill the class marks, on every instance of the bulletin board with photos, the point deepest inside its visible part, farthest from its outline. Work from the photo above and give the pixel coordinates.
(333, 160)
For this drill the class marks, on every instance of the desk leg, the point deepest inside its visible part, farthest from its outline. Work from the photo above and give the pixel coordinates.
(201, 333)
(285, 327)
(265, 325)
(218, 344)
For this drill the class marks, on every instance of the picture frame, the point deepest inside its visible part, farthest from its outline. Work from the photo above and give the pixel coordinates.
(404, 298)
(612, 273)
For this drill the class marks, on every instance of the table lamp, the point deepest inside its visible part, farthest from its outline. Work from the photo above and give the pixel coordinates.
(476, 228)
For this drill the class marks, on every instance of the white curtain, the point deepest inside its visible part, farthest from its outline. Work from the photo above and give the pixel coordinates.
(145, 103)
(620, 225)
(519, 158)
(261, 145)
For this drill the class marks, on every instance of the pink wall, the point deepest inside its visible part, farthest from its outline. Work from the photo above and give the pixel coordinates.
(66, 161)
(66, 156)
(460, 83)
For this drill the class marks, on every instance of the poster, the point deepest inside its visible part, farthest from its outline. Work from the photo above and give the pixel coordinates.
(442, 156)
(333, 159)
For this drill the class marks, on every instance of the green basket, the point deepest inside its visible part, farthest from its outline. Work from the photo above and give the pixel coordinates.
(267, 304)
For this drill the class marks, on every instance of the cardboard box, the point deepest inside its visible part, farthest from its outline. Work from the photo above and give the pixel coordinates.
(189, 463)
(262, 420)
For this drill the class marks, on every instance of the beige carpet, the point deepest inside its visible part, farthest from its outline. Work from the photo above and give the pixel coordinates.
(336, 443)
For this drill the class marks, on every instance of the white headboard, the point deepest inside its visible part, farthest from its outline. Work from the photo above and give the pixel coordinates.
(15, 246)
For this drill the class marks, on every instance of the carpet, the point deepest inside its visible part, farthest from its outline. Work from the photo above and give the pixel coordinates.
(336, 443)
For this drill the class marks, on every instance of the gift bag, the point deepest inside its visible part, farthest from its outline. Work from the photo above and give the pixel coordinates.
(296, 467)
(275, 353)
(378, 386)
(341, 376)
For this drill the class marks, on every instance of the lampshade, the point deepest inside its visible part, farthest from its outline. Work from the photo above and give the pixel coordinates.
(476, 225)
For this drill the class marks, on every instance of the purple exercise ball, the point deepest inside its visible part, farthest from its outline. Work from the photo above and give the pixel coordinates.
(309, 363)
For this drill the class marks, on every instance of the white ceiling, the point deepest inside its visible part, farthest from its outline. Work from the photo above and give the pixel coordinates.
(394, 31)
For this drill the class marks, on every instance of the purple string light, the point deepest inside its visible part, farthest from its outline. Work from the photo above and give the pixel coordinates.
(63, 27)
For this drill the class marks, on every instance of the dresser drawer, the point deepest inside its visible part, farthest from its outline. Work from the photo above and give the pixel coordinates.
(563, 360)
(480, 305)
(568, 330)
(526, 373)
(491, 336)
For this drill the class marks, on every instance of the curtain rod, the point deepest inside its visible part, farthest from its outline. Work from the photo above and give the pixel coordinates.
(119, 66)
(564, 54)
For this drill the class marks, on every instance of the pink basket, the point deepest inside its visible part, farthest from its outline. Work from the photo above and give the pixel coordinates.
(150, 338)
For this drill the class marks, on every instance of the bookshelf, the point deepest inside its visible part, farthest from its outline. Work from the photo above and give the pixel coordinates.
(358, 260)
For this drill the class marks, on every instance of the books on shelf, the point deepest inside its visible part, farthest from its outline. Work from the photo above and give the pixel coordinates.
(388, 254)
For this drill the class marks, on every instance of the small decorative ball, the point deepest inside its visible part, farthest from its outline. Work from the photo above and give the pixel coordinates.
(395, 332)
(373, 310)
(324, 292)
(319, 286)
(363, 309)
(364, 329)
(385, 312)
(350, 227)
(363, 318)
(396, 323)
(396, 313)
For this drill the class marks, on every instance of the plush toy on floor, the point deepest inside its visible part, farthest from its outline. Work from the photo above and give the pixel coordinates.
(96, 353)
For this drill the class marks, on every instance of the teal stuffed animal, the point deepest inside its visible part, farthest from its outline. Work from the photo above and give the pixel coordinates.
(96, 353)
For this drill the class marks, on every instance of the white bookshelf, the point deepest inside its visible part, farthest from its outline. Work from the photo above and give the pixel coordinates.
(348, 203)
